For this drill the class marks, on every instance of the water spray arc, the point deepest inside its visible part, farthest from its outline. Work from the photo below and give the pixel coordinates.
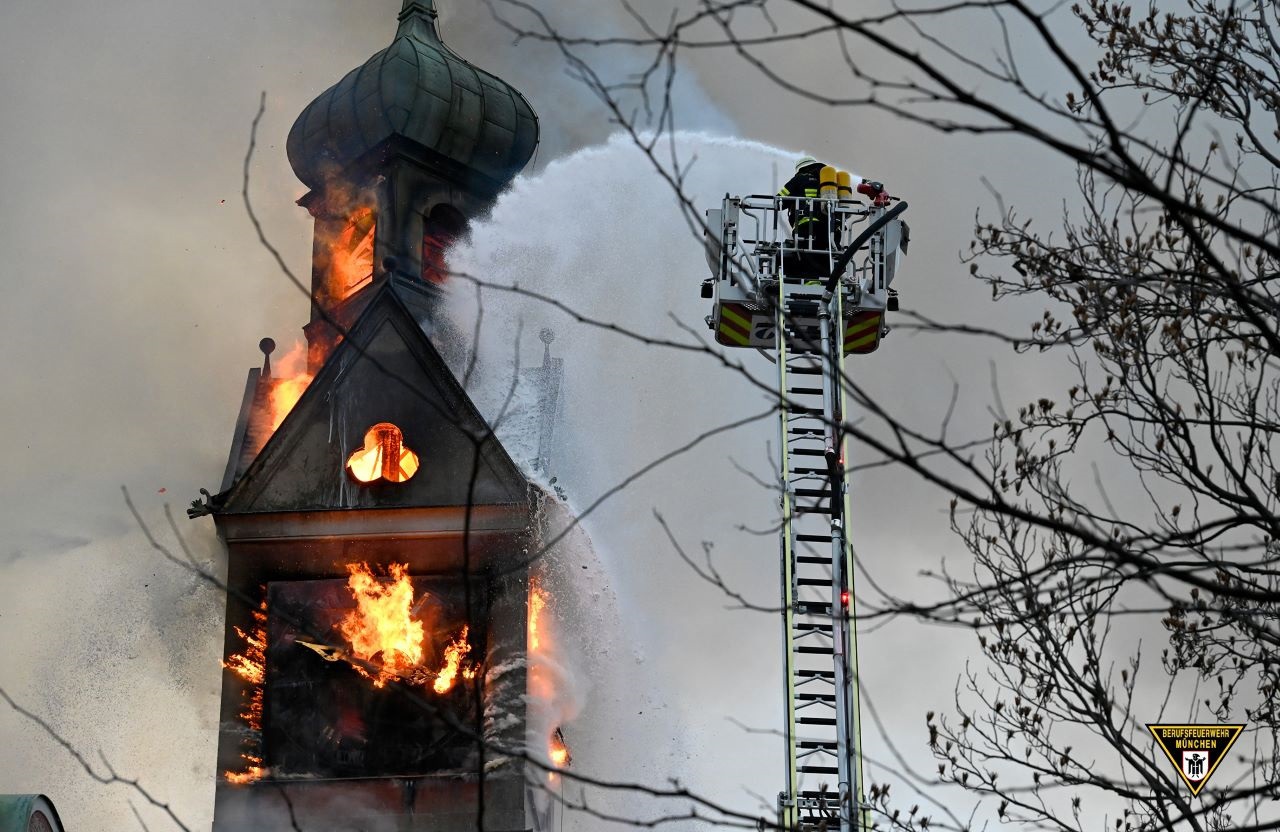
(807, 301)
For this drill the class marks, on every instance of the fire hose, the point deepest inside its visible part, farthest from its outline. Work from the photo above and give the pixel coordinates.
(842, 262)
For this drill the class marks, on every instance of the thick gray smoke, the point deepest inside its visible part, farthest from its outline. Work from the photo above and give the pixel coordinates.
(681, 676)
(135, 295)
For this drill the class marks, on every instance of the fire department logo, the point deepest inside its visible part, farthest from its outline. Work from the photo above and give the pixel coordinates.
(1196, 750)
(1194, 765)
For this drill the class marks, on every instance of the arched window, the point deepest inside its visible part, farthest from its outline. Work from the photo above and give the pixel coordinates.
(383, 457)
(442, 227)
(351, 254)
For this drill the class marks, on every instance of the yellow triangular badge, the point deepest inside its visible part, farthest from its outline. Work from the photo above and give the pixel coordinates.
(1195, 750)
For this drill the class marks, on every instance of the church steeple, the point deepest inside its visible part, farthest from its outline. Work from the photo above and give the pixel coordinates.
(372, 475)
(399, 155)
(419, 18)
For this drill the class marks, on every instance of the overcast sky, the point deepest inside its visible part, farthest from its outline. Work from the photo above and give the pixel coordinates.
(136, 295)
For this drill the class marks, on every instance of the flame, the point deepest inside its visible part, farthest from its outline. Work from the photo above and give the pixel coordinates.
(252, 773)
(251, 665)
(383, 456)
(384, 633)
(351, 255)
(541, 679)
(382, 623)
(558, 751)
(453, 657)
(289, 381)
(248, 665)
(537, 603)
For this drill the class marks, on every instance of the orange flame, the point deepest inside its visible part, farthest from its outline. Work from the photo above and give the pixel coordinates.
(537, 603)
(251, 665)
(383, 456)
(558, 751)
(382, 623)
(453, 657)
(351, 256)
(384, 633)
(559, 754)
(289, 381)
(252, 774)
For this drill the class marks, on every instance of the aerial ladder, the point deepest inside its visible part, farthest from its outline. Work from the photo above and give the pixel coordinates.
(807, 302)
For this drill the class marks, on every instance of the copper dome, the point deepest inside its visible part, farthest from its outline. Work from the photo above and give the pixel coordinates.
(416, 89)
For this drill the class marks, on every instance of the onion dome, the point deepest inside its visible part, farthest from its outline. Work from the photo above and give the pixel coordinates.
(420, 90)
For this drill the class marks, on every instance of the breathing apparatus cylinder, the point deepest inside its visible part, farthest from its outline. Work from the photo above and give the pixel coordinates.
(844, 185)
(827, 185)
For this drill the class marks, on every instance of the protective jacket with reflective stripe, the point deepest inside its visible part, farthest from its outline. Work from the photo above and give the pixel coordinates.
(805, 184)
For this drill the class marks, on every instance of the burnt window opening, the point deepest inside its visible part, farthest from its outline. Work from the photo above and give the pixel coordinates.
(351, 254)
(323, 717)
(383, 456)
(444, 225)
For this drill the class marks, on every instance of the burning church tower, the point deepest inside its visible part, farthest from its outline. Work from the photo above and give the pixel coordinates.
(379, 536)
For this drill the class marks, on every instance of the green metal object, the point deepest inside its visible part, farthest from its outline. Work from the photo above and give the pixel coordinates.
(419, 90)
(28, 813)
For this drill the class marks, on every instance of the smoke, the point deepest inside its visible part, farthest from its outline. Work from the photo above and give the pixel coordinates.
(135, 296)
(571, 114)
(662, 656)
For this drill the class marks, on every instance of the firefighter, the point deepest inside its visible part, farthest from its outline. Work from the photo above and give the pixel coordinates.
(806, 218)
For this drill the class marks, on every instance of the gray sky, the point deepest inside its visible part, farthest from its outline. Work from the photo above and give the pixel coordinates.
(136, 296)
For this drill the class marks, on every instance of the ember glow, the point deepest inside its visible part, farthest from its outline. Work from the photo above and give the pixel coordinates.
(387, 638)
(251, 664)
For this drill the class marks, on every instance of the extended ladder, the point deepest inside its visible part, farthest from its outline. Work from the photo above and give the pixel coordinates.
(824, 761)
(811, 320)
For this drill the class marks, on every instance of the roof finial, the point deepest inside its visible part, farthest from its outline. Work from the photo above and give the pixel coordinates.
(418, 17)
(268, 346)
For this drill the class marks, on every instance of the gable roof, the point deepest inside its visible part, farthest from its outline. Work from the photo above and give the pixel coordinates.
(385, 370)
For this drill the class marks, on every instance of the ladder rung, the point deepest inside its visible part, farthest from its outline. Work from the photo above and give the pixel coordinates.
(813, 492)
(830, 797)
(822, 471)
(813, 581)
(815, 651)
(814, 538)
(805, 391)
(819, 769)
(811, 627)
(814, 560)
(816, 674)
(816, 744)
(813, 509)
(816, 697)
(816, 720)
(807, 452)
(805, 371)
